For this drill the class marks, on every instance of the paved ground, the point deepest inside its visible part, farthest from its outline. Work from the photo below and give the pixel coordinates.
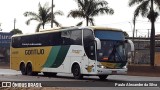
(66, 79)
(140, 74)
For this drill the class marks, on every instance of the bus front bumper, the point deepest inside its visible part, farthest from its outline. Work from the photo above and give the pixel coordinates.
(101, 71)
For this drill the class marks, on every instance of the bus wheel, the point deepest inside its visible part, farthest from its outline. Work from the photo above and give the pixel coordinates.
(29, 70)
(23, 69)
(102, 77)
(76, 72)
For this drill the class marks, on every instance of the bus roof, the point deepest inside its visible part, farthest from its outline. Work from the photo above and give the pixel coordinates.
(104, 28)
(59, 29)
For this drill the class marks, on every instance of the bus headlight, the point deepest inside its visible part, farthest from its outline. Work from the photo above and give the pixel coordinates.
(124, 66)
(100, 66)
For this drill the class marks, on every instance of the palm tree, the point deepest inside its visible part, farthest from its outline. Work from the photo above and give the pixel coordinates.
(43, 16)
(146, 9)
(87, 9)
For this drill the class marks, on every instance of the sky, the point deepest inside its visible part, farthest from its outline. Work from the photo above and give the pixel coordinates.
(122, 18)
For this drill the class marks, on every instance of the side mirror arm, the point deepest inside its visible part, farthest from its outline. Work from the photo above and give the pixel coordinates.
(98, 43)
(131, 44)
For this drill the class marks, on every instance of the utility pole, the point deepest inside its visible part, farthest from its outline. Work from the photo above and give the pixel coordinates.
(148, 33)
(52, 15)
(134, 26)
(14, 23)
(136, 32)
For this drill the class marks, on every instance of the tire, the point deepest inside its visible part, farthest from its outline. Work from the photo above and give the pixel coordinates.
(29, 70)
(49, 74)
(102, 77)
(23, 69)
(76, 72)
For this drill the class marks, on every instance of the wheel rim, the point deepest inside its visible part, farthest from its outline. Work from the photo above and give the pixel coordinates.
(76, 71)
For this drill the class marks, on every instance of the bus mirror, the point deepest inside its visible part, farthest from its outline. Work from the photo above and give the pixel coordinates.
(131, 44)
(98, 43)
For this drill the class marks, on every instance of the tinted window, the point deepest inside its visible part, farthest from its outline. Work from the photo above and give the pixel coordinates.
(109, 35)
(88, 36)
(46, 39)
(89, 45)
(66, 37)
(72, 37)
(76, 37)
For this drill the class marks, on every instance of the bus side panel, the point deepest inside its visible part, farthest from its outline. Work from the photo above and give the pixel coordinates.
(37, 56)
(57, 59)
(15, 58)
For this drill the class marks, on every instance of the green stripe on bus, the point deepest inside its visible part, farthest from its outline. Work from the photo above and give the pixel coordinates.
(61, 56)
(52, 56)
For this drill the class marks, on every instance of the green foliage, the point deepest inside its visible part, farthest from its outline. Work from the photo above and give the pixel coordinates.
(16, 31)
(144, 7)
(43, 16)
(89, 8)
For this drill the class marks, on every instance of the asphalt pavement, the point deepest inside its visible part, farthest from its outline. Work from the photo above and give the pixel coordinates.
(113, 82)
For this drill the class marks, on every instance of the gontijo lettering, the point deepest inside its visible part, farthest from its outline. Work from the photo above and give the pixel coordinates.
(34, 52)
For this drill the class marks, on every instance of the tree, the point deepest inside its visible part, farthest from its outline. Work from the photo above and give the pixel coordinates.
(43, 16)
(87, 9)
(146, 9)
(16, 31)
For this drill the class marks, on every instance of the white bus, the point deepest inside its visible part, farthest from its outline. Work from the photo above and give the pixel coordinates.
(98, 51)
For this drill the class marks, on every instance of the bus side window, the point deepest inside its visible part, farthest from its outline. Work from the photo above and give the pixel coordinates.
(76, 37)
(72, 37)
(65, 35)
(16, 42)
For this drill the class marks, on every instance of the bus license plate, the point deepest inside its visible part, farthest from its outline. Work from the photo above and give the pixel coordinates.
(114, 72)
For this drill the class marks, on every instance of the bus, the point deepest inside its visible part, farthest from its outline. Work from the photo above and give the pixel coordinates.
(81, 51)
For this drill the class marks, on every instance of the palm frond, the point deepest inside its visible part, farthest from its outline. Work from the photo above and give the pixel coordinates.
(80, 3)
(145, 8)
(58, 13)
(29, 20)
(79, 24)
(33, 14)
(89, 8)
(135, 2)
(76, 13)
(104, 10)
(157, 2)
(142, 9)
(101, 3)
(57, 23)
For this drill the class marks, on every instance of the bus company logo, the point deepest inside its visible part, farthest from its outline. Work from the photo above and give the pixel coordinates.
(34, 52)
(6, 84)
(76, 51)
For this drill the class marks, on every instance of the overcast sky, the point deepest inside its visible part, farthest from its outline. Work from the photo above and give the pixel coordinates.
(122, 17)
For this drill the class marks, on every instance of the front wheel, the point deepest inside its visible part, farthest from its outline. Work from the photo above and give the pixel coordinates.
(102, 77)
(76, 72)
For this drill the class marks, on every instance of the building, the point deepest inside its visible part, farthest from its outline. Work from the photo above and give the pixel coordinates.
(5, 39)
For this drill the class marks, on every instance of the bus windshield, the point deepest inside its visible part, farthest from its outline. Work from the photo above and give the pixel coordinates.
(112, 46)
